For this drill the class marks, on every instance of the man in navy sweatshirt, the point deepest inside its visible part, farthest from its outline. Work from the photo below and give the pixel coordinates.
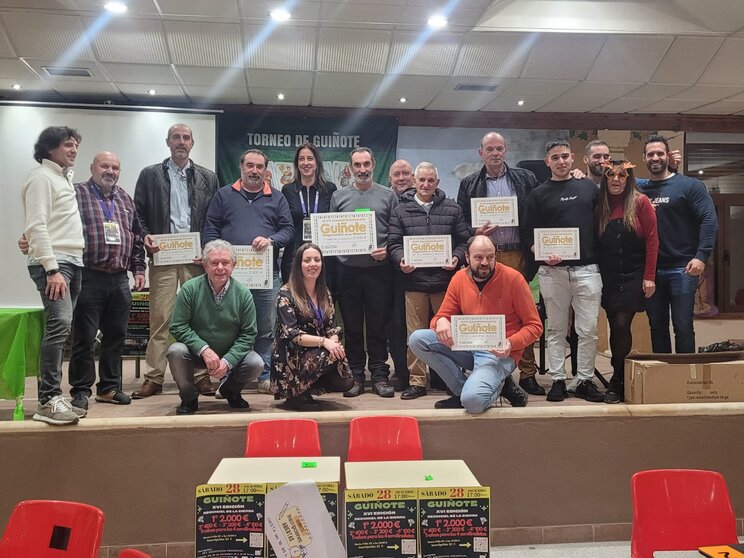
(687, 225)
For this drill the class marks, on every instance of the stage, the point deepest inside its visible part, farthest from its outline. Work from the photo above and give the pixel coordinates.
(557, 472)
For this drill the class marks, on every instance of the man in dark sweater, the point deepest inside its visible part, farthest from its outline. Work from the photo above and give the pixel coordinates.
(566, 202)
(687, 226)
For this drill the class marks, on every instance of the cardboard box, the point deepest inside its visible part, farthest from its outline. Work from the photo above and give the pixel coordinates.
(684, 378)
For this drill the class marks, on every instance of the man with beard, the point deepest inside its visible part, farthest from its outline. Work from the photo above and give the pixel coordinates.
(687, 226)
(485, 287)
(365, 281)
(596, 154)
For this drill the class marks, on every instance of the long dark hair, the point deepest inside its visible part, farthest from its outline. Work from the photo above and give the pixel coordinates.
(296, 284)
(630, 201)
(320, 182)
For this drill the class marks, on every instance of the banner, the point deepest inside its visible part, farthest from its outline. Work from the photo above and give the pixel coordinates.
(280, 136)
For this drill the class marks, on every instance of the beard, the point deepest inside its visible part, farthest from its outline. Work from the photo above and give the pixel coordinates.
(482, 273)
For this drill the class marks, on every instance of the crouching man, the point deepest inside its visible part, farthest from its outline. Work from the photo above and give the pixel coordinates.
(214, 325)
(484, 287)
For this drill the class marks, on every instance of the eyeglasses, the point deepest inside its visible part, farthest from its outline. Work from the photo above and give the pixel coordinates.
(610, 173)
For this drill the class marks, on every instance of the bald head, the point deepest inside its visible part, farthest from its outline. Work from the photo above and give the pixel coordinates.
(401, 176)
(493, 153)
(105, 170)
(481, 257)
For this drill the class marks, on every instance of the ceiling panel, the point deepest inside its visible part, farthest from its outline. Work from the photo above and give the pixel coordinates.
(722, 15)
(559, 56)
(292, 97)
(134, 7)
(574, 103)
(212, 95)
(347, 81)
(227, 9)
(726, 66)
(369, 12)
(494, 54)
(306, 10)
(720, 107)
(411, 54)
(285, 48)
(132, 40)
(347, 50)
(458, 17)
(686, 59)
(204, 44)
(322, 97)
(546, 87)
(46, 35)
(629, 57)
(509, 103)
(140, 91)
(141, 73)
(671, 106)
(104, 89)
(14, 69)
(706, 93)
(210, 77)
(625, 104)
(418, 91)
(99, 75)
(461, 100)
(280, 78)
(6, 50)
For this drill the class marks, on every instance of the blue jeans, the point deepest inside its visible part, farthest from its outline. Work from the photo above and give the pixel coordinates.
(479, 389)
(58, 324)
(265, 301)
(675, 289)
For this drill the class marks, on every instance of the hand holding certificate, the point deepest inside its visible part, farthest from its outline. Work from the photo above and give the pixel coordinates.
(478, 333)
(428, 250)
(498, 211)
(561, 243)
(180, 248)
(254, 268)
(344, 233)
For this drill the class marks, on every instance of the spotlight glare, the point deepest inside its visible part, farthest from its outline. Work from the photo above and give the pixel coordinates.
(152, 91)
(16, 86)
(280, 14)
(280, 96)
(520, 102)
(437, 21)
(403, 99)
(115, 7)
(701, 171)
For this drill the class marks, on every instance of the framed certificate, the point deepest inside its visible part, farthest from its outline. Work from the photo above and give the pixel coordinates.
(179, 248)
(428, 250)
(563, 243)
(254, 269)
(478, 333)
(500, 211)
(344, 233)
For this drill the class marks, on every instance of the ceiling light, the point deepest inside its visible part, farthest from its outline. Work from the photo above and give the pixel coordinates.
(403, 99)
(115, 7)
(280, 14)
(151, 91)
(699, 172)
(437, 21)
(16, 86)
(280, 96)
(520, 102)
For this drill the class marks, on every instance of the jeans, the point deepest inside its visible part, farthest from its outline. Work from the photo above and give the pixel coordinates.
(265, 301)
(675, 289)
(397, 336)
(104, 303)
(580, 288)
(481, 387)
(183, 364)
(58, 323)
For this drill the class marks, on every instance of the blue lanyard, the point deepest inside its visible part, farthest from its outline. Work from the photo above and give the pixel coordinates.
(107, 206)
(317, 311)
(302, 201)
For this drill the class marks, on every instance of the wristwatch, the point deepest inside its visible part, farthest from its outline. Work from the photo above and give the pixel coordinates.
(52, 272)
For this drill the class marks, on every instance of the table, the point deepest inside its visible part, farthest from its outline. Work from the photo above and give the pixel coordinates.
(409, 474)
(21, 330)
(261, 470)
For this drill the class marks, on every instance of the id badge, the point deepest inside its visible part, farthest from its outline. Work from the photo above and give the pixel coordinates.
(111, 232)
(307, 233)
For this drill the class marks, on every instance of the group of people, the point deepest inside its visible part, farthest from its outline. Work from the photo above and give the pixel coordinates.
(636, 251)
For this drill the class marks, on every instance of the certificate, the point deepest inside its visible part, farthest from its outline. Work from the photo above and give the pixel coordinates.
(344, 233)
(254, 269)
(179, 248)
(563, 243)
(478, 333)
(500, 211)
(428, 250)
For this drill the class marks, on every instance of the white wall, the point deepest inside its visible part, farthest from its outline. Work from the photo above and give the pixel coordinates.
(137, 137)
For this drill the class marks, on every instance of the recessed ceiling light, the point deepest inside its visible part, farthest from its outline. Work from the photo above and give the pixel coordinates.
(437, 21)
(701, 171)
(403, 99)
(16, 86)
(280, 96)
(151, 91)
(115, 7)
(520, 102)
(280, 14)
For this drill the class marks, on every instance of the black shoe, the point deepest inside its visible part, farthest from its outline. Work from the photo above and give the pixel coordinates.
(413, 392)
(356, 390)
(615, 392)
(588, 391)
(513, 393)
(400, 385)
(449, 403)
(188, 407)
(557, 391)
(302, 402)
(531, 386)
(383, 389)
(234, 399)
(80, 401)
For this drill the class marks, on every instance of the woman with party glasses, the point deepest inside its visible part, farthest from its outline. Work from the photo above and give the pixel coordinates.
(628, 246)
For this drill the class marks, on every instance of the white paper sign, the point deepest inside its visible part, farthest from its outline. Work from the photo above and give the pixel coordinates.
(179, 248)
(478, 333)
(428, 250)
(344, 233)
(563, 243)
(298, 524)
(500, 211)
(254, 269)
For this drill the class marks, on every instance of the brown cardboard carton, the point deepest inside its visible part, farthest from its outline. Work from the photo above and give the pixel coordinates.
(684, 378)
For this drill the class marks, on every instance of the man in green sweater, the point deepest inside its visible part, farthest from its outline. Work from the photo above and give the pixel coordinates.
(214, 325)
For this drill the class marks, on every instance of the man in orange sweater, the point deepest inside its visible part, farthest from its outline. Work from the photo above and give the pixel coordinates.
(485, 287)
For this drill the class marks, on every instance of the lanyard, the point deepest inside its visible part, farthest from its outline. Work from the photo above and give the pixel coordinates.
(107, 206)
(317, 311)
(302, 201)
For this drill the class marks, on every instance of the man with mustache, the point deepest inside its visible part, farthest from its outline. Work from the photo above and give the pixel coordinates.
(365, 281)
(485, 287)
(250, 212)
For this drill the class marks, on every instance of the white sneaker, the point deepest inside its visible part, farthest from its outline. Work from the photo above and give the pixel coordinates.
(57, 411)
(264, 386)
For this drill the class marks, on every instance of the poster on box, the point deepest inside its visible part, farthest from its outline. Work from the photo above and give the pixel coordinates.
(230, 520)
(455, 522)
(138, 325)
(381, 522)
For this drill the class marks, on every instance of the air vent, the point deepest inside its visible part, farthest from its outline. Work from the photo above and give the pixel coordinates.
(66, 71)
(476, 87)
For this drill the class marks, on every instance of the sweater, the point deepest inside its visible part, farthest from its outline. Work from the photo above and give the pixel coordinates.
(507, 293)
(229, 328)
(52, 220)
(377, 198)
(686, 219)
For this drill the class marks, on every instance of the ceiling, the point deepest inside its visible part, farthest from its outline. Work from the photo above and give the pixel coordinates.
(635, 56)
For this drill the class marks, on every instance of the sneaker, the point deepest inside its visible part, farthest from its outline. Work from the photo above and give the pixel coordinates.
(513, 393)
(557, 391)
(356, 390)
(264, 386)
(383, 389)
(413, 392)
(449, 403)
(56, 411)
(114, 396)
(531, 386)
(588, 391)
(615, 392)
(80, 401)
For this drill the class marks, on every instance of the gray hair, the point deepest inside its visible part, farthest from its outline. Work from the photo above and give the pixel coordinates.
(423, 166)
(218, 244)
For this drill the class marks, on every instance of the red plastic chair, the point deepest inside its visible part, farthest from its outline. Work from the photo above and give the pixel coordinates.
(384, 438)
(679, 509)
(52, 529)
(282, 438)
(131, 553)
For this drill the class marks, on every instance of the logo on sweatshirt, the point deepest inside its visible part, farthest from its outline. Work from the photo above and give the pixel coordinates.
(570, 198)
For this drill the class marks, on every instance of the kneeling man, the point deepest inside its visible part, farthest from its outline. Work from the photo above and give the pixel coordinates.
(214, 325)
(484, 287)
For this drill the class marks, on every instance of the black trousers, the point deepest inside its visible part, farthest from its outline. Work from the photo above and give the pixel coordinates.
(397, 333)
(104, 303)
(365, 297)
